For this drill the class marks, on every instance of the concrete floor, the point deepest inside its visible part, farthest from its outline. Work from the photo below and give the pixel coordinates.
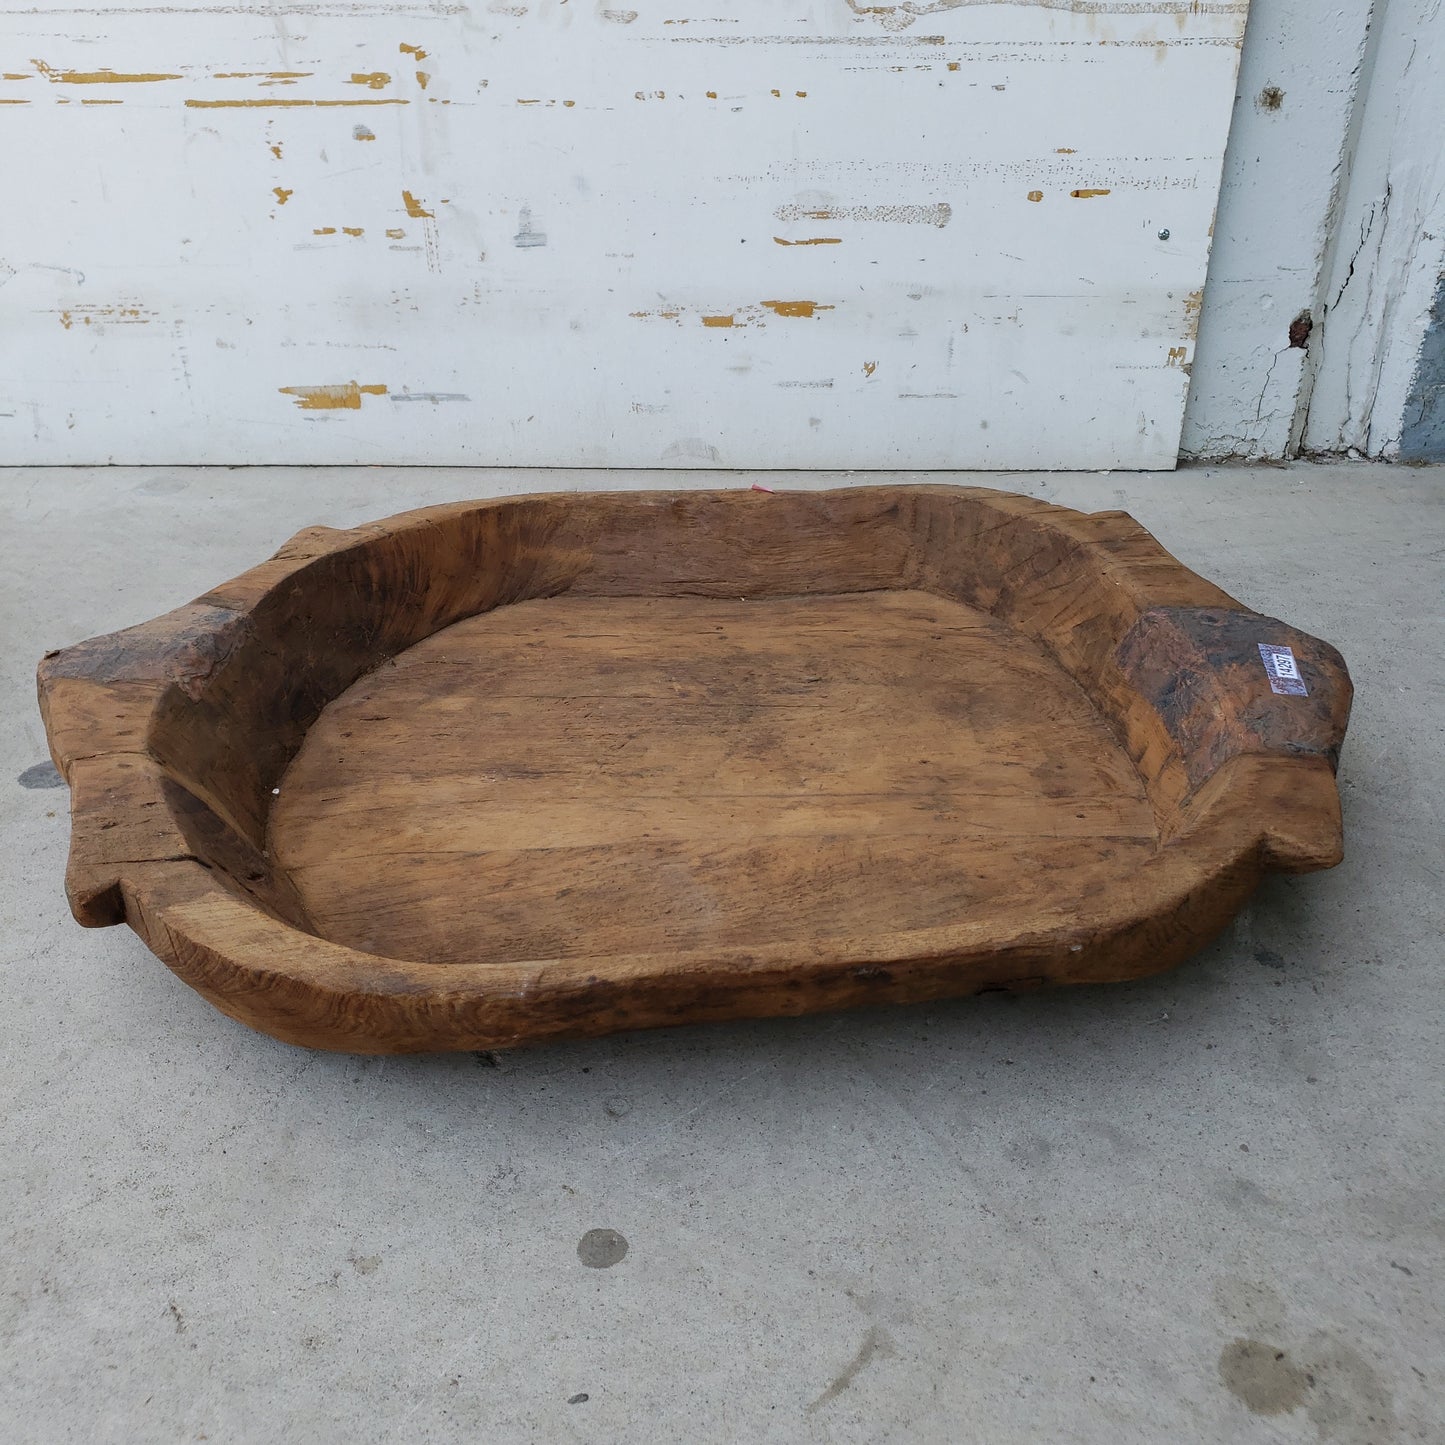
(1209, 1207)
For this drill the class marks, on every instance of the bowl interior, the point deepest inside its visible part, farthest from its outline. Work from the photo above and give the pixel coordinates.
(573, 776)
(652, 723)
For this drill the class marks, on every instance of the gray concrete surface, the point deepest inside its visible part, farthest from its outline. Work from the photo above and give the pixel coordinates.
(1209, 1207)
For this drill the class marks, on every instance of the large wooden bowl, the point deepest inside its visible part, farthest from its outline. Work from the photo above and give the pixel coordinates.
(559, 765)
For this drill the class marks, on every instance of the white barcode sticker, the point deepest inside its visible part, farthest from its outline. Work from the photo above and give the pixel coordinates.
(1283, 670)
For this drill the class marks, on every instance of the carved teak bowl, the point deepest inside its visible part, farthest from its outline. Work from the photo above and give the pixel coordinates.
(559, 765)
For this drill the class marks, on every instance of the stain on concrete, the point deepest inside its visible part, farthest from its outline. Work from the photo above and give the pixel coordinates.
(41, 775)
(1341, 1392)
(1030, 1152)
(579, 1399)
(1300, 329)
(1270, 98)
(1263, 1377)
(365, 1263)
(1347, 1401)
(875, 1343)
(601, 1248)
(1269, 958)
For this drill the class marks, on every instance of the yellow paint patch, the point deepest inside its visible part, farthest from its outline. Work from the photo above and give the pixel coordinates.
(1193, 305)
(1176, 355)
(712, 95)
(414, 207)
(415, 51)
(324, 231)
(102, 102)
(665, 315)
(955, 65)
(801, 94)
(262, 74)
(345, 397)
(1036, 195)
(869, 367)
(372, 79)
(282, 194)
(395, 232)
(569, 103)
(98, 77)
(811, 241)
(1065, 151)
(778, 94)
(276, 150)
(260, 104)
(796, 308)
(422, 79)
(109, 315)
(15, 75)
(1088, 194)
(717, 320)
(353, 230)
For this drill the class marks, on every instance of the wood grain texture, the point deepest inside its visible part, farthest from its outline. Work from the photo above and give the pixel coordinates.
(579, 776)
(553, 766)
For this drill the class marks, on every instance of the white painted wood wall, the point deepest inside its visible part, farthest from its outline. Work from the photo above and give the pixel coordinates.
(1333, 205)
(778, 233)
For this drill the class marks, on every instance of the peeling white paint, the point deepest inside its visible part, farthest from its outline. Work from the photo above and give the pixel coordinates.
(948, 235)
(1389, 246)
